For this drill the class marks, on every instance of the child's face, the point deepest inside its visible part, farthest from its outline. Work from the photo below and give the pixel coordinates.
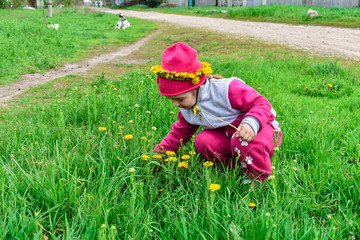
(185, 100)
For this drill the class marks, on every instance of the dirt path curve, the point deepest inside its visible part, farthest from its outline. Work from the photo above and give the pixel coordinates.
(29, 80)
(328, 41)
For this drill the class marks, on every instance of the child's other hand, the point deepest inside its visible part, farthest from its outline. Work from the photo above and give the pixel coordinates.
(245, 132)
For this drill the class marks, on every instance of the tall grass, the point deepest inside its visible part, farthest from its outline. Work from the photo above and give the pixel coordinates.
(28, 46)
(63, 177)
(293, 14)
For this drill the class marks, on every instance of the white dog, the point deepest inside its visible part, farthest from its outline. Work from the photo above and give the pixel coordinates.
(312, 13)
(123, 23)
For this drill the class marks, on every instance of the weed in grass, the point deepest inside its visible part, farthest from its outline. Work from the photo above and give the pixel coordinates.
(335, 82)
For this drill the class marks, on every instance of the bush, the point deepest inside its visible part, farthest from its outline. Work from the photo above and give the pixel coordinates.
(154, 3)
(2, 4)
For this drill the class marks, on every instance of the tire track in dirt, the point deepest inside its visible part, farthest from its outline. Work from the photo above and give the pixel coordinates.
(7, 92)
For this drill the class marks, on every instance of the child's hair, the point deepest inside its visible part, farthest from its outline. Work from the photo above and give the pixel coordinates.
(217, 76)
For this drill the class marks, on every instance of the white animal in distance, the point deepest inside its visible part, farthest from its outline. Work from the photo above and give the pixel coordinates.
(123, 23)
(312, 13)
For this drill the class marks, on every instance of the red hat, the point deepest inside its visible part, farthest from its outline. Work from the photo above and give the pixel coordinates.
(180, 71)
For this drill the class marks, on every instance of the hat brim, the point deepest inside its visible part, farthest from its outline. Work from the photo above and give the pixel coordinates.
(175, 87)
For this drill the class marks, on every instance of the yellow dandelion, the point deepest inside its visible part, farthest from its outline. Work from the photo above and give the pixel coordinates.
(171, 159)
(143, 138)
(214, 187)
(119, 133)
(122, 127)
(185, 157)
(128, 137)
(330, 85)
(102, 128)
(195, 80)
(196, 110)
(183, 165)
(145, 157)
(251, 205)
(208, 164)
(192, 153)
(170, 153)
(191, 75)
(157, 156)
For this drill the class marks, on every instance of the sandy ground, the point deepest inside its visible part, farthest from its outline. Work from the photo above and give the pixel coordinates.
(327, 41)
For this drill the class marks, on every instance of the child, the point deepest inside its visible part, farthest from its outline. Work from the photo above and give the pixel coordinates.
(208, 102)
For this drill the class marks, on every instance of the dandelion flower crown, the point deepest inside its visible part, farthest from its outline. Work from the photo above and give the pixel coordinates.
(183, 76)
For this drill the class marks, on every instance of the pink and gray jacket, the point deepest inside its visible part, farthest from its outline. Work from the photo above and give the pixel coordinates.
(228, 99)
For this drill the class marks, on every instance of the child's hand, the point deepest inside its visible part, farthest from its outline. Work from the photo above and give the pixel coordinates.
(245, 132)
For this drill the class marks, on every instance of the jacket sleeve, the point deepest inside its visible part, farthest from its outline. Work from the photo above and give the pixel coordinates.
(256, 107)
(179, 135)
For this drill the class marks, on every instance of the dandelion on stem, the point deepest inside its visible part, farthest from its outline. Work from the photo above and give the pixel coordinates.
(145, 157)
(183, 165)
(128, 137)
(214, 187)
(185, 157)
(197, 110)
(102, 129)
(208, 164)
(252, 205)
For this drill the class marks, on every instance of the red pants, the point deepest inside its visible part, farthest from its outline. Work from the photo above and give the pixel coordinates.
(254, 157)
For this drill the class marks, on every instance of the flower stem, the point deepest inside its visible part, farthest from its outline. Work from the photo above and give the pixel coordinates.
(220, 119)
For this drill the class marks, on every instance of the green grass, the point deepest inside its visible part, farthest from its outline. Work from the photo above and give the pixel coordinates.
(61, 177)
(293, 14)
(28, 46)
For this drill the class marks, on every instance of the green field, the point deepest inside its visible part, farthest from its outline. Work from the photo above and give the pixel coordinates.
(28, 46)
(292, 14)
(67, 157)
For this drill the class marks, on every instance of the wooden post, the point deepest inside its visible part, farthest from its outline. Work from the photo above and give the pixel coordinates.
(45, 17)
(49, 8)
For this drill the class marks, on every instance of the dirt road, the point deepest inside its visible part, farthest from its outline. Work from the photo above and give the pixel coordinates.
(338, 42)
(330, 41)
